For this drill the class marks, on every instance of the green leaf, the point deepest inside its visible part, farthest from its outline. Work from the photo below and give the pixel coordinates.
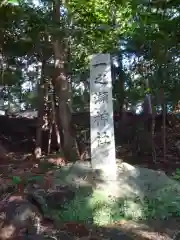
(16, 179)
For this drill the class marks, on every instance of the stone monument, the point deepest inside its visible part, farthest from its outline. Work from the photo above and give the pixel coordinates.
(101, 116)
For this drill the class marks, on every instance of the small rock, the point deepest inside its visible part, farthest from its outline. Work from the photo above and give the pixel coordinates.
(19, 214)
(38, 198)
(56, 199)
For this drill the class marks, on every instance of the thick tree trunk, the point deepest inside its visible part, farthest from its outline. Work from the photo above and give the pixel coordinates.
(61, 86)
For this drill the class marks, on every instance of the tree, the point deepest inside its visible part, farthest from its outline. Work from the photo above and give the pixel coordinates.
(62, 35)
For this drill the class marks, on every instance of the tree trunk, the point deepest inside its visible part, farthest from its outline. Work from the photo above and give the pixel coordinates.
(152, 138)
(121, 87)
(164, 112)
(61, 86)
(148, 112)
(53, 123)
(41, 93)
(50, 134)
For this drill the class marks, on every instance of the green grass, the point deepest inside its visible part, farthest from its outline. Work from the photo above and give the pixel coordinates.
(99, 210)
(176, 175)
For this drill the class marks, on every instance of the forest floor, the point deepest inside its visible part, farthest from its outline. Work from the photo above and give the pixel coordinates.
(152, 229)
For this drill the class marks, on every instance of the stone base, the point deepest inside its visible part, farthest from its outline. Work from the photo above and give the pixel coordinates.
(110, 189)
(107, 173)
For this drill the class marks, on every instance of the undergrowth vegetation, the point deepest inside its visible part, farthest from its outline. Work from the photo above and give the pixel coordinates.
(98, 209)
(95, 208)
(176, 175)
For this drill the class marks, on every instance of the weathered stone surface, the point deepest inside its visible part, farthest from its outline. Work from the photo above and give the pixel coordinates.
(132, 180)
(52, 199)
(18, 214)
(101, 116)
(57, 199)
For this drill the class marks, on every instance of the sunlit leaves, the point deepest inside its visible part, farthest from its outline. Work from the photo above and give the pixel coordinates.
(150, 31)
(6, 2)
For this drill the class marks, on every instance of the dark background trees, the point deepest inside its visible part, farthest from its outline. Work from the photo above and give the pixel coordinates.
(45, 48)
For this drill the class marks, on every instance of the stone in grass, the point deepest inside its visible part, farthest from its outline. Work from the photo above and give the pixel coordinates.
(38, 198)
(57, 199)
(53, 199)
(16, 215)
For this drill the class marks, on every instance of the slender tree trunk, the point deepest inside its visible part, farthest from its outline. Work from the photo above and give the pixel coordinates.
(53, 123)
(58, 138)
(150, 113)
(57, 119)
(50, 129)
(9, 101)
(121, 87)
(164, 130)
(162, 102)
(41, 93)
(50, 138)
(152, 138)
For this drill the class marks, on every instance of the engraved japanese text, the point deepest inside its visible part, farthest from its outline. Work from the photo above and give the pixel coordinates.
(101, 97)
